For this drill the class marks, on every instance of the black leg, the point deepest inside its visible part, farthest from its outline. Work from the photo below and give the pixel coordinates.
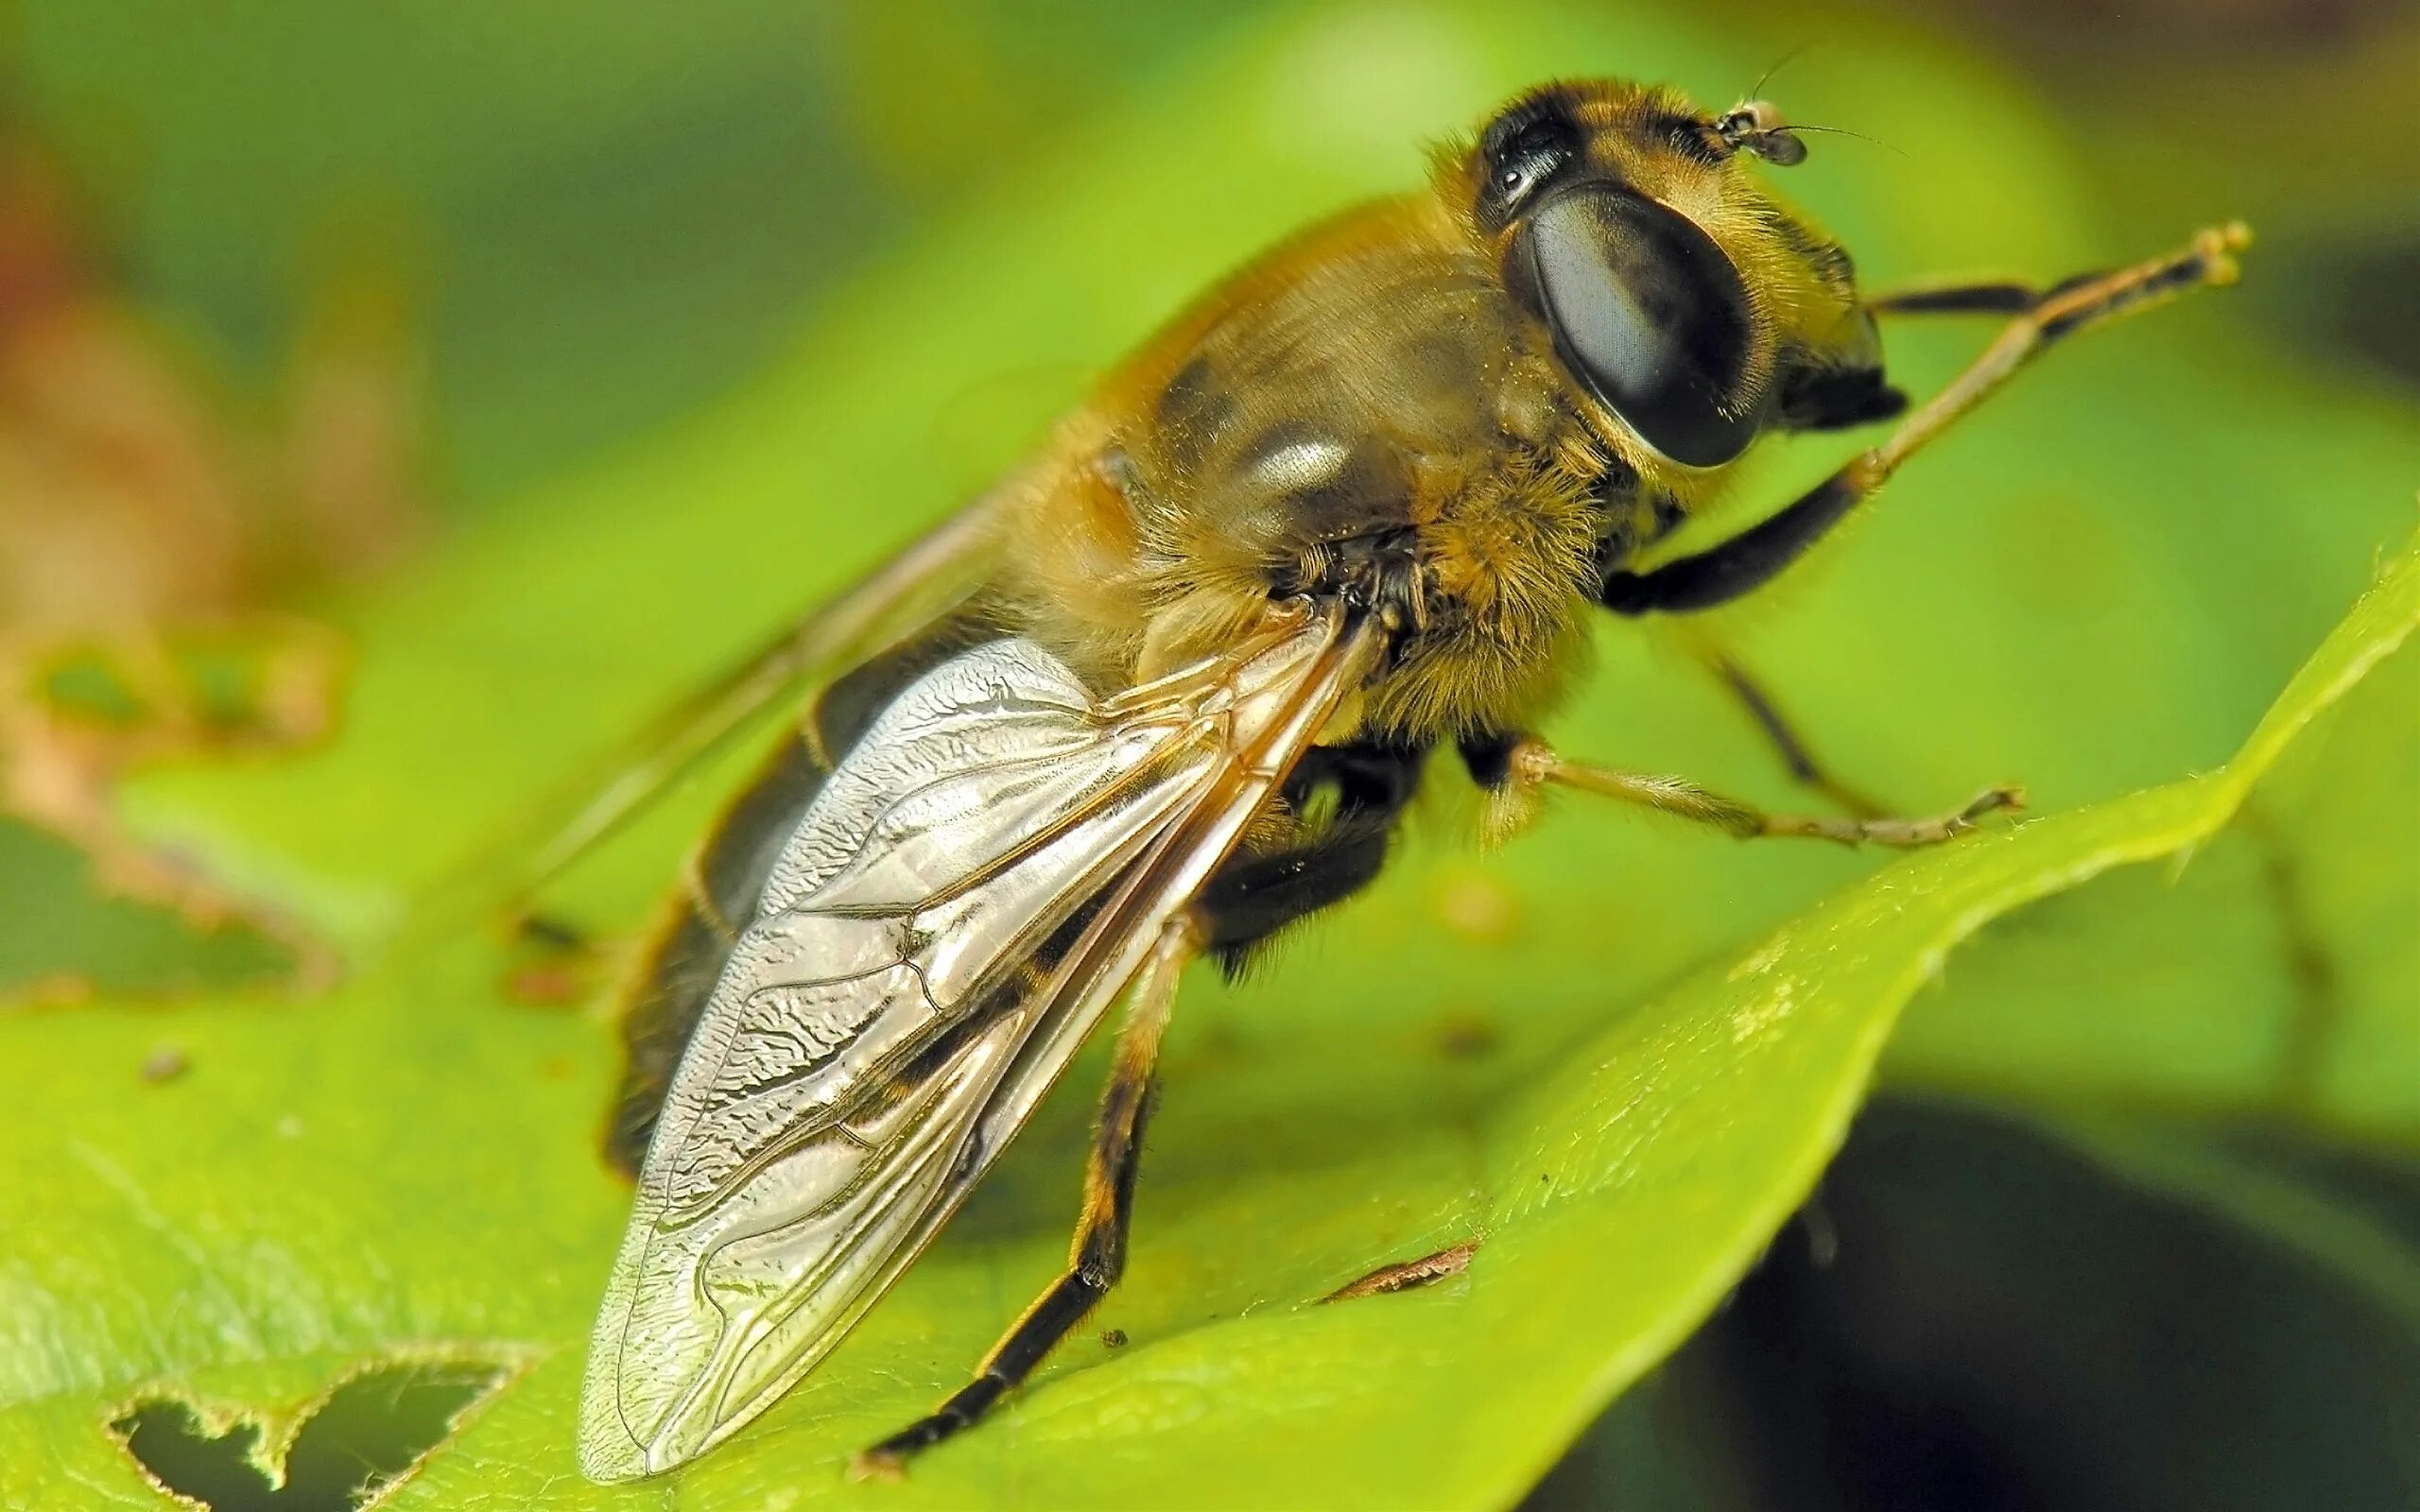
(1978, 296)
(1972, 296)
(1099, 1254)
(1753, 558)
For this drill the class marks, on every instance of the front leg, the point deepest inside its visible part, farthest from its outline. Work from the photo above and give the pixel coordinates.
(1514, 770)
(1753, 558)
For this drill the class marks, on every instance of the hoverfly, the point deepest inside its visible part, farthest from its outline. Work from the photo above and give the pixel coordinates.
(1170, 687)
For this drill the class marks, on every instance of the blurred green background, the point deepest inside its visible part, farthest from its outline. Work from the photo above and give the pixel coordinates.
(464, 382)
(540, 181)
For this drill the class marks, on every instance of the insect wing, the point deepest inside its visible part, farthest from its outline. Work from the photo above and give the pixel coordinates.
(885, 1025)
(922, 582)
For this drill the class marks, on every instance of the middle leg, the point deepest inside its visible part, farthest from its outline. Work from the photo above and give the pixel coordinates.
(1757, 555)
(1515, 771)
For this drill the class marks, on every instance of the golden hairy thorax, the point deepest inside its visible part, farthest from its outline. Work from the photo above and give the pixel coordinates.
(1374, 380)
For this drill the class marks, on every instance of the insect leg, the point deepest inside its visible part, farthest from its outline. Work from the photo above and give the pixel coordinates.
(1528, 764)
(1755, 557)
(1973, 296)
(1784, 738)
(1962, 297)
(1099, 1254)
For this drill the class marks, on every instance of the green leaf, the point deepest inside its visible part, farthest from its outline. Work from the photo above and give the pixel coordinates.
(1531, 1048)
(202, 1229)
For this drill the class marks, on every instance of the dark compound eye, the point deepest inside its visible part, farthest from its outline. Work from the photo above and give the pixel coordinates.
(1649, 313)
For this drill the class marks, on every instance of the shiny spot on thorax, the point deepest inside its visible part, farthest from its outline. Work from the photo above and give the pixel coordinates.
(1294, 458)
(1311, 485)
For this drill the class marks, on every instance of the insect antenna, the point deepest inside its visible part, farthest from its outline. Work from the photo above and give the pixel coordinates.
(1756, 90)
(1843, 130)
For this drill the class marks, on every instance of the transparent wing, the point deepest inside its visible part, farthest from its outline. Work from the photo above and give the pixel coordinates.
(922, 582)
(969, 892)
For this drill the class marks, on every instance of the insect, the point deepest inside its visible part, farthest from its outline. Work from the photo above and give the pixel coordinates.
(1168, 689)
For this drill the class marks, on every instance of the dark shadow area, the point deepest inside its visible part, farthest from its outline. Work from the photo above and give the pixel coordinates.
(1978, 1316)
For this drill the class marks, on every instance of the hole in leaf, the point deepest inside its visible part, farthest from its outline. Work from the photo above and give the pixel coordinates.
(355, 1445)
(113, 915)
(72, 937)
(81, 684)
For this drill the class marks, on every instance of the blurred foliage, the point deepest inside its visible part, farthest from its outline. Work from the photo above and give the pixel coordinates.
(73, 936)
(889, 243)
(97, 911)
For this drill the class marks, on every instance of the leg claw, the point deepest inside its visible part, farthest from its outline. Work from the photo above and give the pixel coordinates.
(878, 1464)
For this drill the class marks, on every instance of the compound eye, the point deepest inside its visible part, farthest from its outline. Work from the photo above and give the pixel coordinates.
(1651, 314)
